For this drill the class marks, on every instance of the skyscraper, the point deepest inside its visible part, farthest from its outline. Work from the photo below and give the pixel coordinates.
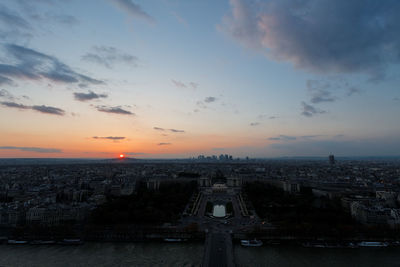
(331, 159)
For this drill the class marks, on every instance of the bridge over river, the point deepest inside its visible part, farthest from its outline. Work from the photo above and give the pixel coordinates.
(218, 251)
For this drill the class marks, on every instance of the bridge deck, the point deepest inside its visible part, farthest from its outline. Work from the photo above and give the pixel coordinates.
(218, 250)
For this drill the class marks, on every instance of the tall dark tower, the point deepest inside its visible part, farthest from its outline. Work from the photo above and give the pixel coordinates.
(331, 159)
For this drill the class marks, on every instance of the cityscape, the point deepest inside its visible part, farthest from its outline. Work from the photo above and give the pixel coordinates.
(199, 133)
(215, 201)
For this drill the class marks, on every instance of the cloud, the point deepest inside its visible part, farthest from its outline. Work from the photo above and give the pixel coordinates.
(171, 130)
(396, 99)
(63, 19)
(200, 104)
(359, 36)
(42, 108)
(30, 8)
(88, 96)
(32, 149)
(115, 110)
(108, 56)
(4, 93)
(164, 144)
(210, 99)
(14, 105)
(283, 138)
(180, 84)
(7, 95)
(32, 65)
(176, 131)
(49, 110)
(20, 26)
(292, 138)
(12, 25)
(158, 129)
(12, 18)
(67, 20)
(193, 85)
(114, 138)
(264, 116)
(353, 90)
(243, 24)
(135, 153)
(319, 91)
(254, 123)
(310, 111)
(310, 136)
(5, 81)
(321, 96)
(207, 100)
(133, 10)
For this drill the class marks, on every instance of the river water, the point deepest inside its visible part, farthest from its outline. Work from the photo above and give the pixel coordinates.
(189, 254)
(103, 254)
(307, 257)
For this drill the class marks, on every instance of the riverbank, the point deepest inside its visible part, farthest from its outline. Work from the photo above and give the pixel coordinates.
(189, 254)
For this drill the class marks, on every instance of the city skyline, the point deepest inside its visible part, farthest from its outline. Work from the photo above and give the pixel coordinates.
(175, 79)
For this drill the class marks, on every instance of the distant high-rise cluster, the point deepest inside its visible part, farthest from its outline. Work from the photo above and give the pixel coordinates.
(331, 159)
(221, 157)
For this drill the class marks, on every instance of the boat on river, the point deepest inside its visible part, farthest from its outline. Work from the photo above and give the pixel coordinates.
(372, 244)
(17, 242)
(251, 243)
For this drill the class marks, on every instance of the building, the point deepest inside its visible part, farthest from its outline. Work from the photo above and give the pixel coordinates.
(234, 181)
(331, 159)
(204, 182)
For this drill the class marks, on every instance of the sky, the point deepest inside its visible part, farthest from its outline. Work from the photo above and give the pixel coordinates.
(180, 78)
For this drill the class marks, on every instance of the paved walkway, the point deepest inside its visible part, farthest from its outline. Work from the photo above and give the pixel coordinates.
(218, 249)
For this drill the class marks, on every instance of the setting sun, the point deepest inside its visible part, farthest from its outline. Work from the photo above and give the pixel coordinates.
(121, 156)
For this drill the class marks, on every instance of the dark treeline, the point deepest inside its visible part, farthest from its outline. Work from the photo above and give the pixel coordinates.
(229, 208)
(188, 174)
(146, 206)
(303, 213)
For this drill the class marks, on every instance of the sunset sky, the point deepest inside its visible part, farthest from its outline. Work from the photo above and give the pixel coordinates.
(179, 78)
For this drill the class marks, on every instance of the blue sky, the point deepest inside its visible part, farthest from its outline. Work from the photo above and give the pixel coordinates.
(181, 78)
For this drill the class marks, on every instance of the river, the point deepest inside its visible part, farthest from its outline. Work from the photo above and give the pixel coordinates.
(189, 254)
(299, 256)
(103, 254)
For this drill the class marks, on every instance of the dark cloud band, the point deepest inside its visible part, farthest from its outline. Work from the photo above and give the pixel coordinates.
(41, 109)
(170, 130)
(88, 96)
(32, 149)
(114, 110)
(341, 36)
(33, 65)
(115, 138)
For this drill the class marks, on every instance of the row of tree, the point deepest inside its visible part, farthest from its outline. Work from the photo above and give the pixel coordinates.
(146, 206)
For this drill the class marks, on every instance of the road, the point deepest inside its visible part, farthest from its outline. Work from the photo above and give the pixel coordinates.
(218, 250)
